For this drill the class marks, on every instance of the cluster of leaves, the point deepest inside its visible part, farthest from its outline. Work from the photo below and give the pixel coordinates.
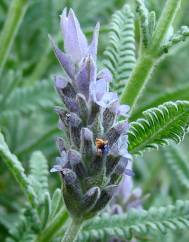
(27, 123)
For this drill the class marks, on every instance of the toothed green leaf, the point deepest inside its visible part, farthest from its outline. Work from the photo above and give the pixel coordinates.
(39, 174)
(137, 223)
(158, 126)
(17, 170)
(120, 52)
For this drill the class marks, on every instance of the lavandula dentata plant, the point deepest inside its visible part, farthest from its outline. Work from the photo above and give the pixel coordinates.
(95, 157)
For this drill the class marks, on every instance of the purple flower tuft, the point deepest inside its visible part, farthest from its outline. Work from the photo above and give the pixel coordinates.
(95, 157)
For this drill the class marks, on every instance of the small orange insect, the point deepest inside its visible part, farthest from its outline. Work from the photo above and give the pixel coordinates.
(101, 145)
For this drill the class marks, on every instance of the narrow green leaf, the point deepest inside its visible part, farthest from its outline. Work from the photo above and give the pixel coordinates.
(56, 202)
(46, 209)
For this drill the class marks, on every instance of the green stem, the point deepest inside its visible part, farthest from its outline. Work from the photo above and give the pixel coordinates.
(72, 231)
(138, 80)
(164, 23)
(149, 56)
(14, 18)
(48, 233)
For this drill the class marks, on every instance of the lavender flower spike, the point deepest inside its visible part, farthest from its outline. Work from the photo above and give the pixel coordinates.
(95, 157)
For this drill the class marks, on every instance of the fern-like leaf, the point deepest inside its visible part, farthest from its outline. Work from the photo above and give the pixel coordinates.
(178, 165)
(180, 36)
(147, 22)
(137, 223)
(17, 170)
(159, 125)
(39, 173)
(26, 227)
(27, 99)
(120, 52)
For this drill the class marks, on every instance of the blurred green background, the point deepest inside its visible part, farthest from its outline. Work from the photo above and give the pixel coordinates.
(27, 97)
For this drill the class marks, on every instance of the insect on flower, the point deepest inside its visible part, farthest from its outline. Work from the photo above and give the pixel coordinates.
(102, 146)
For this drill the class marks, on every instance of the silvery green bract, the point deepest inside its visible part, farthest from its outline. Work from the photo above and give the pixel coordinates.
(90, 174)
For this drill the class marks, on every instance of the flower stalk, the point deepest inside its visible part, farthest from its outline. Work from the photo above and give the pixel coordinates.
(15, 16)
(164, 23)
(149, 56)
(139, 77)
(72, 231)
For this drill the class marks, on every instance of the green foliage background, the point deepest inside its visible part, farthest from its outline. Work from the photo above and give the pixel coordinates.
(27, 97)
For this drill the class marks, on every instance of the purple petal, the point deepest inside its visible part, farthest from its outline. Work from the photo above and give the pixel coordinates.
(126, 187)
(114, 150)
(108, 119)
(105, 74)
(86, 134)
(121, 166)
(100, 89)
(60, 144)
(107, 99)
(129, 172)
(87, 145)
(56, 168)
(75, 43)
(120, 110)
(123, 110)
(116, 209)
(63, 159)
(65, 60)
(60, 82)
(115, 132)
(123, 146)
(74, 156)
(86, 76)
(114, 106)
(61, 126)
(73, 120)
(66, 92)
(94, 44)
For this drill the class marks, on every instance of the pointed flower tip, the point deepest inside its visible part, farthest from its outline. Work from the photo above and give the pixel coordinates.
(64, 13)
(89, 59)
(56, 168)
(60, 82)
(57, 109)
(53, 170)
(71, 13)
(105, 74)
(75, 42)
(97, 27)
(129, 172)
(96, 30)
